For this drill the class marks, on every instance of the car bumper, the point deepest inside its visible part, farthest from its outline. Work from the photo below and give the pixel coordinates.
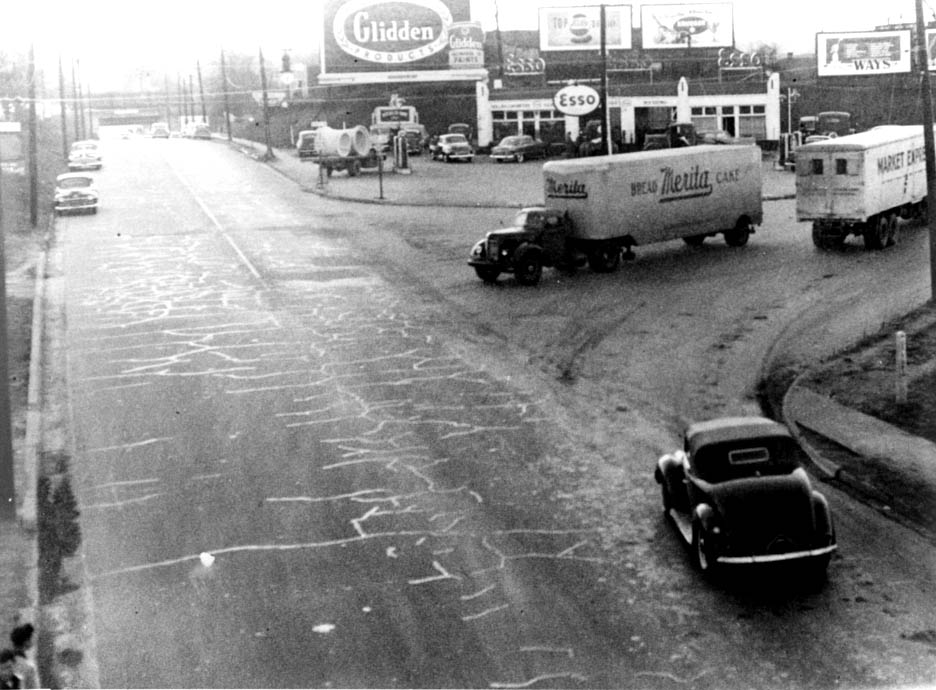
(458, 156)
(778, 557)
(503, 156)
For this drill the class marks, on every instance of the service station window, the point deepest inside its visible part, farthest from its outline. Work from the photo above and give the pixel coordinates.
(815, 166)
(841, 166)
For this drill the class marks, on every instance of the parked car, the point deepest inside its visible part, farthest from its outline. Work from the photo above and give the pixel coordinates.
(382, 137)
(811, 139)
(519, 148)
(84, 155)
(75, 192)
(738, 495)
(461, 128)
(453, 147)
(417, 138)
(159, 130)
(201, 131)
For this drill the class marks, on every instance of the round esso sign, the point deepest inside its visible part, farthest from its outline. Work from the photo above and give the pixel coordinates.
(576, 99)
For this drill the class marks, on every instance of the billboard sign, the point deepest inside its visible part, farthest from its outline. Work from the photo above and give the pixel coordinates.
(867, 52)
(931, 48)
(579, 28)
(466, 45)
(388, 35)
(704, 25)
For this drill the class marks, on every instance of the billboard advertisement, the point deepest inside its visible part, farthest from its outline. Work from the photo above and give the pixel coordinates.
(703, 25)
(579, 28)
(868, 52)
(931, 48)
(394, 35)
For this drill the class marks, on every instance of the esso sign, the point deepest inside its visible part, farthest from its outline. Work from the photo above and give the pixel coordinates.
(576, 99)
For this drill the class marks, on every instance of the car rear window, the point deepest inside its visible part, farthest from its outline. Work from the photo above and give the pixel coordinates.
(74, 182)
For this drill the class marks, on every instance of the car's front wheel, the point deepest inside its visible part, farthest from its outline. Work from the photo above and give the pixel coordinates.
(519, 157)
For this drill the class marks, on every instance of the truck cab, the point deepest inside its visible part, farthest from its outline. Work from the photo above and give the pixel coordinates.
(536, 238)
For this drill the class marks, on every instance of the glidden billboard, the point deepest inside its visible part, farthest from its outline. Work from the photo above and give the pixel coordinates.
(389, 35)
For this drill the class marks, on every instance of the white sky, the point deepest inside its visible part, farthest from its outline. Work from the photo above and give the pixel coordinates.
(107, 35)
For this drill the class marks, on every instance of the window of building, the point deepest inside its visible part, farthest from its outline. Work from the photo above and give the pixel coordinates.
(815, 166)
(841, 166)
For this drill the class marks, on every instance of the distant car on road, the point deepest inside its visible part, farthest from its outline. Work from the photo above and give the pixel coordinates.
(75, 192)
(452, 147)
(519, 148)
(737, 495)
(84, 155)
(159, 130)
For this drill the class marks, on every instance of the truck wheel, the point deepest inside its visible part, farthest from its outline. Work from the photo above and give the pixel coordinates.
(694, 240)
(528, 266)
(328, 170)
(875, 232)
(488, 275)
(893, 229)
(354, 169)
(740, 235)
(605, 258)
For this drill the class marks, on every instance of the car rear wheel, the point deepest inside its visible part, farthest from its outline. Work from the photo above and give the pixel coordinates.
(694, 240)
(605, 258)
(702, 555)
(875, 232)
(738, 237)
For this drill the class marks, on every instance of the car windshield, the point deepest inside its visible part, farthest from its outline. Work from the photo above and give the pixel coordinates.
(83, 145)
(511, 141)
(456, 139)
(529, 219)
(74, 182)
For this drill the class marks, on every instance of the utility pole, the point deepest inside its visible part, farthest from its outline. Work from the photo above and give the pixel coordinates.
(33, 169)
(227, 104)
(90, 116)
(266, 110)
(605, 135)
(75, 108)
(201, 92)
(168, 100)
(62, 109)
(928, 146)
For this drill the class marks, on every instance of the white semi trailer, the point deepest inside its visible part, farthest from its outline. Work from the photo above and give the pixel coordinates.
(861, 184)
(596, 208)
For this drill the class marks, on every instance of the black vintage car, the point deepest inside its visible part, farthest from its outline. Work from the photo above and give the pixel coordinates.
(737, 495)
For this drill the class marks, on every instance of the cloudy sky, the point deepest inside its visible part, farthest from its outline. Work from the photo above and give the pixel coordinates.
(108, 35)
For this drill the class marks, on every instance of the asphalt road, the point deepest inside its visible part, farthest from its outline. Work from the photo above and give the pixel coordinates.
(406, 478)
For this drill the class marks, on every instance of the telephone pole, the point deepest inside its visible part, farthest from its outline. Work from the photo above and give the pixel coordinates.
(227, 104)
(266, 111)
(928, 146)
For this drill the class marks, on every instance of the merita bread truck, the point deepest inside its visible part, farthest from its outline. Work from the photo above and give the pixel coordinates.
(597, 209)
(861, 184)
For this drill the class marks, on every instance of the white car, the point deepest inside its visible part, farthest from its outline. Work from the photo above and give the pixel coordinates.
(453, 147)
(84, 155)
(75, 193)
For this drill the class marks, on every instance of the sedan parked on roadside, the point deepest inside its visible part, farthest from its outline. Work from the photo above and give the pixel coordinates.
(84, 155)
(452, 147)
(737, 495)
(519, 148)
(75, 193)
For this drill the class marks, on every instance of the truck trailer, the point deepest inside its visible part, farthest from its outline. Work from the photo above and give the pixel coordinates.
(596, 209)
(861, 184)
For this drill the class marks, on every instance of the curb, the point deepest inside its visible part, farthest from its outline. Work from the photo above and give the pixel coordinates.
(829, 469)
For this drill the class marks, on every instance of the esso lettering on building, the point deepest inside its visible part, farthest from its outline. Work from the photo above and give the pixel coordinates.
(576, 99)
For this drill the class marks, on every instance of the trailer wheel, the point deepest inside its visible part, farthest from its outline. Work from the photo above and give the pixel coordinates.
(605, 258)
(354, 169)
(528, 265)
(893, 229)
(738, 237)
(875, 232)
(824, 240)
(694, 240)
